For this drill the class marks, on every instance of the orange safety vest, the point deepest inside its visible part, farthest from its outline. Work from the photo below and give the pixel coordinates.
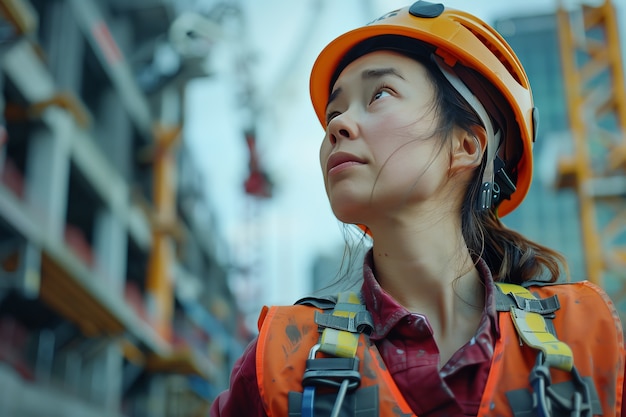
(587, 321)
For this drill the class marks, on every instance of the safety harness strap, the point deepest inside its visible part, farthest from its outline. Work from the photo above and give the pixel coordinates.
(532, 319)
(361, 322)
(532, 329)
(340, 330)
(341, 327)
(529, 316)
(520, 297)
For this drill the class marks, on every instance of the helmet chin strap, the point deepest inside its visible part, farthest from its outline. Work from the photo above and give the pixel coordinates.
(488, 185)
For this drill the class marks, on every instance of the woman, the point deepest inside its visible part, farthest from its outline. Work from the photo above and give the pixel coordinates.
(429, 125)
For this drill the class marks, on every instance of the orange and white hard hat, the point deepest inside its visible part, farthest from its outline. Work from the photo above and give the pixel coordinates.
(463, 46)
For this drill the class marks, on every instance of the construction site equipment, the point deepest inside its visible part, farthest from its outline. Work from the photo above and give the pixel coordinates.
(596, 103)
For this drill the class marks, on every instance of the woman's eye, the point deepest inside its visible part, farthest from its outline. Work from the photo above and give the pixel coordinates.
(331, 115)
(380, 94)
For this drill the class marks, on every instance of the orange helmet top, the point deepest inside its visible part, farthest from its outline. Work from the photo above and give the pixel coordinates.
(461, 41)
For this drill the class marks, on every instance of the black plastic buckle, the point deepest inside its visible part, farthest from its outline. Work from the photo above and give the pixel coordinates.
(338, 373)
(505, 184)
(331, 372)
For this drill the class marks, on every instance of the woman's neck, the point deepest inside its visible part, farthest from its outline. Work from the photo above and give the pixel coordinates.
(428, 269)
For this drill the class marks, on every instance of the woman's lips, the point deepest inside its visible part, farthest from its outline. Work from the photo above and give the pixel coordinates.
(341, 160)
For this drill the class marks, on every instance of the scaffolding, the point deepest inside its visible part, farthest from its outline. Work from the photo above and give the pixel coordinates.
(99, 239)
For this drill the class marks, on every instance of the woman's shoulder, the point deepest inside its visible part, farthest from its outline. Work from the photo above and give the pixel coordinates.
(242, 397)
(579, 292)
(556, 295)
(578, 302)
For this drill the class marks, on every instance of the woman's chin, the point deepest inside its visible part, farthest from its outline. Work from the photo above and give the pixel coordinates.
(350, 215)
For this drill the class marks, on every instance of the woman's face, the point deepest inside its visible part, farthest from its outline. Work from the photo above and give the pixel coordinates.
(380, 155)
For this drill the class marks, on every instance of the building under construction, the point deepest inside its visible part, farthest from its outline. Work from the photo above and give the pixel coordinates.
(113, 292)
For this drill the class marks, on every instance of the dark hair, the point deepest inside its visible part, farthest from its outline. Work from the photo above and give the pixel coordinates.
(511, 257)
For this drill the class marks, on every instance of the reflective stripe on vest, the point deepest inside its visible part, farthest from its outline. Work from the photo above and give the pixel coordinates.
(288, 333)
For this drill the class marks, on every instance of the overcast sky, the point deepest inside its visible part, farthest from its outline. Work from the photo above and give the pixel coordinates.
(296, 224)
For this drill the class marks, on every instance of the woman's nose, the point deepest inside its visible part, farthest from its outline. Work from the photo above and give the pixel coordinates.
(342, 127)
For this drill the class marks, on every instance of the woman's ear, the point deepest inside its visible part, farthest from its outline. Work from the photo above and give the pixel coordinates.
(468, 149)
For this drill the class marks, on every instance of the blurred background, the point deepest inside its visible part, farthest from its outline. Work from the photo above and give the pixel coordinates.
(160, 182)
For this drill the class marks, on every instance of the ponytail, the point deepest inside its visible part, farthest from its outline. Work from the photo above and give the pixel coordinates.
(511, 257)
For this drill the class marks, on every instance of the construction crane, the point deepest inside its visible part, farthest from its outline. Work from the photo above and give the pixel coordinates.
(596, 106)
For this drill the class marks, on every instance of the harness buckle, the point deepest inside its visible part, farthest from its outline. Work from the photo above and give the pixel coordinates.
(333, 372)
(546, 399)
(340, 333)
(314, 350)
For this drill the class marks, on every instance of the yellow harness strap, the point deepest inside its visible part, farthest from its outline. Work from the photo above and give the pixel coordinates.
(337, 342)
(533, 330)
